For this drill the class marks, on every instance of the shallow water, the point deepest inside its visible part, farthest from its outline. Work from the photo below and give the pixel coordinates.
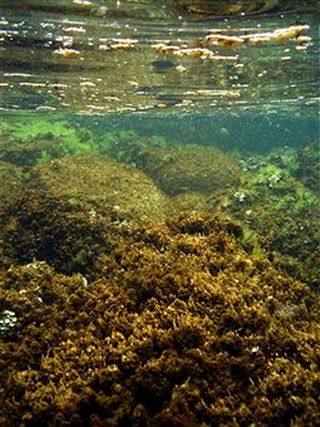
(159, 212)
(98, 57)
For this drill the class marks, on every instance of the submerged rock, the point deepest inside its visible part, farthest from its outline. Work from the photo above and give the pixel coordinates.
(63, 213)
(11, 179)
(178, 169)
(284, 212)
(37, 225)
(102, 184)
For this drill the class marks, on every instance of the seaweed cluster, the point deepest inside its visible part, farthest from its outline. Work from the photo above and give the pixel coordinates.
(67, 225)
(35, 140)
(274, 202)
(39, 226)
(182, 328)
(176, 168)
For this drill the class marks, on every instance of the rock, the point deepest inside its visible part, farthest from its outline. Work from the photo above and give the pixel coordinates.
(180, 169)
(102, 184)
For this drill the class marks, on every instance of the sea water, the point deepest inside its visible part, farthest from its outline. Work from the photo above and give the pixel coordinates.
(167, 151)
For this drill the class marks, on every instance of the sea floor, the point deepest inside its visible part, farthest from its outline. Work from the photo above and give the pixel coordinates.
(145, 283)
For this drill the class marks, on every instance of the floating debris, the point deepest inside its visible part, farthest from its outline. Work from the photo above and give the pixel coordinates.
(66, 53)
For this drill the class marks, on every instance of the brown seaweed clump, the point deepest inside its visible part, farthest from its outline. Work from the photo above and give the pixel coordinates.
(101, 184)
(11, 179)
(37, 225)
(182, 328)
(180, 169)
(66, 225)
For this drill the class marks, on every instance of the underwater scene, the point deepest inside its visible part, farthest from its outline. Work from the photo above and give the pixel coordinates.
(159, 213)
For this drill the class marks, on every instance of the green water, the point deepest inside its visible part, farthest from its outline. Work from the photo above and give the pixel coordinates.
(159, 213)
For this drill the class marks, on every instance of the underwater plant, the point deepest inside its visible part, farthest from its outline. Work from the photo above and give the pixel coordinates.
(26, 142)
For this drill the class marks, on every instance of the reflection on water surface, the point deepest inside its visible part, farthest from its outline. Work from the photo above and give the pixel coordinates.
(95, 57)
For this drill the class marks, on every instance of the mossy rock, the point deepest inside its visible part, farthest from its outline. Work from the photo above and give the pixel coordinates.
(102, 185)
(179, 169)
(36, 225)
(193, 169)
(190, 202)
(12, 179)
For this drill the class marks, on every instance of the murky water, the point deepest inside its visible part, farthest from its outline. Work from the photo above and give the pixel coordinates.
(159, 213)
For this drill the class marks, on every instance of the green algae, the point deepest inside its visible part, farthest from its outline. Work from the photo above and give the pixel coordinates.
(251, 242)
(40, 139)
(282, 211)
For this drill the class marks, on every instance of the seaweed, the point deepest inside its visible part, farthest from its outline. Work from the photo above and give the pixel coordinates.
(39, 226)
(282, 212)
(180, 327)
(41, 139)
(175, 168)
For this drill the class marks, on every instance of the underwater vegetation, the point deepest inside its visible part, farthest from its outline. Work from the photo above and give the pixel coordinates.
(307, 164)
(285, 213)
(11, 178)
(65, 225)
(274, 196)
(37, 225)
(159, 213)
(99, 184)
(181, 328)
(41, 139)
(146, 283)
(176, 169)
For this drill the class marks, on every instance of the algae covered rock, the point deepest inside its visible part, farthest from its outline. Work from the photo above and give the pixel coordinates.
(189, 202)
(182, 327)
(37, 225)
(192, 168)
(102, 185)
(284, 212)
(178, 169)
(11, 179)
(28, 140)
(62, 214)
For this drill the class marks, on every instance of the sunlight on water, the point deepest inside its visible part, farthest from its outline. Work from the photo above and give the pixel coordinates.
(98, 57)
